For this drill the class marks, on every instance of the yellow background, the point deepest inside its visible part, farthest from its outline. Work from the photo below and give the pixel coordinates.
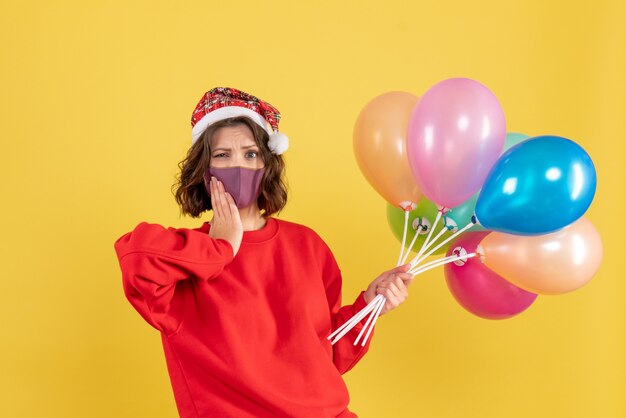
(96, 103)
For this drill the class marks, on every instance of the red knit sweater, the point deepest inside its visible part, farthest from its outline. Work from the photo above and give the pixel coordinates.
(246, 336)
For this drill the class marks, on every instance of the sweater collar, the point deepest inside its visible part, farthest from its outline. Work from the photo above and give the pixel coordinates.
(269, 231)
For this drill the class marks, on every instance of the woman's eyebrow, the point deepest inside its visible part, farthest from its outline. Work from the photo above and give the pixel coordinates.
(228, 149)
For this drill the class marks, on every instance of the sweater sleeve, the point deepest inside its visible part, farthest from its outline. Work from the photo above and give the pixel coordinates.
(345, 353)
(155, 263)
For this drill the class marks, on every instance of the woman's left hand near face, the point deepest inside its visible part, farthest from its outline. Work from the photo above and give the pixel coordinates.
(393, 285)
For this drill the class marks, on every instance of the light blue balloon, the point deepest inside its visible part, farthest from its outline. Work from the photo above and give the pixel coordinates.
(538, 186)
(513, 139)
(462, 215)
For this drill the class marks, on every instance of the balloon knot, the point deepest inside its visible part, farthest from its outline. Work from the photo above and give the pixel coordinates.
(408, 206)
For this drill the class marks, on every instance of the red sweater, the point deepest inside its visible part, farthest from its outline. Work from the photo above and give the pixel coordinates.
(246, 336)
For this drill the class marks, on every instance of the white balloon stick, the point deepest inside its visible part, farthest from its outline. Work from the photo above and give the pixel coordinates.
(351, 323)
(406, 224)
(410, 246)
(450, 257)
(450, 238)
(373, 323)
(431, 243)
(425, 243)
(383, 301)
(427, 267)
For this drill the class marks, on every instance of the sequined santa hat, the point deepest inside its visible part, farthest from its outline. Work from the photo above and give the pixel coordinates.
(224, 102)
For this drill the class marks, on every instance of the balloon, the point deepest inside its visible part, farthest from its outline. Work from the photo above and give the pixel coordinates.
(455, 135)
(480, 290)
(461, 215)
(379, 140)
(547, 264)
(536, 187)
(423, 214)
(513, 139)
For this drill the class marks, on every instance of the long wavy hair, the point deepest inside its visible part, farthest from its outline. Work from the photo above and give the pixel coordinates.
(190, 192)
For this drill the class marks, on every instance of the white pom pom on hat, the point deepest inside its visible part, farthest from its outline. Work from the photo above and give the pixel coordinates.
(224, 102)
(278, 143)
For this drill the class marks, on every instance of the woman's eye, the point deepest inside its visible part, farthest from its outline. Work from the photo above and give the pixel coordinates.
(219, 155)
(251, 154)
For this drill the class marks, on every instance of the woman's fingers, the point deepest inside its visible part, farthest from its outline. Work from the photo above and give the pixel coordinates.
(395, 292)
(405, 278)
(226, 212)
(401, 269)
(392, 284)
(213, 194)
(225, 209)
(401, 286)
(214, 198)
(232, 206)
(219, 200)
(397, 271)
(391, 301)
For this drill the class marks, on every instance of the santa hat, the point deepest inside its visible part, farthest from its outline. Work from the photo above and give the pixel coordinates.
(223, 102)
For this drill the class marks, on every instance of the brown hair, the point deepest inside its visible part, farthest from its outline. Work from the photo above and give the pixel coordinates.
(190, 192)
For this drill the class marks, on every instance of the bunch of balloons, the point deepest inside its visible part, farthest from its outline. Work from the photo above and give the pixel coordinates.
(514, 203)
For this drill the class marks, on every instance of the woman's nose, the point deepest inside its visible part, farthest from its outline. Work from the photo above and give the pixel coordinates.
(235, 161)
(238, 159)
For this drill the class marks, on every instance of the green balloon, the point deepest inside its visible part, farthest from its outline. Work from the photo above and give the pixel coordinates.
(424, 214)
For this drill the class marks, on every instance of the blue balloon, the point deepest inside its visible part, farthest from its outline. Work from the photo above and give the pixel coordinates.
(538, 186)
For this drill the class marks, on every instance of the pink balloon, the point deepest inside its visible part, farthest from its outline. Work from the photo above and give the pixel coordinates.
(455, 135)
(478, 289)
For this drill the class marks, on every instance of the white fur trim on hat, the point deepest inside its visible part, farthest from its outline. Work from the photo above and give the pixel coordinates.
(225, 113)
(278, 143)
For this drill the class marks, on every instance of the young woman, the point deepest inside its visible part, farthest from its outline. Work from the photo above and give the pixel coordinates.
(245, 303)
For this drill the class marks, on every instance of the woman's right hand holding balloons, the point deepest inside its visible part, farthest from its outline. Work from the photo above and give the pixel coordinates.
(393, 285)
(226, 223)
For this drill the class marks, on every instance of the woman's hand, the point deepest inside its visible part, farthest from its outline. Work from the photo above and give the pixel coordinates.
(226, 223)
(393, 285)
